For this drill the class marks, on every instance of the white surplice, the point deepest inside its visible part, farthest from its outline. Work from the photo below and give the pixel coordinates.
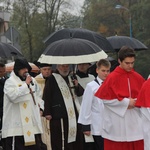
(130, 123)
(146, 126)
(91, 112)
(16, 93)
(83, 82)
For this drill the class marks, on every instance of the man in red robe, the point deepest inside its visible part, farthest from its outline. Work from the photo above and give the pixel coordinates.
(122, 127)
(143, 101)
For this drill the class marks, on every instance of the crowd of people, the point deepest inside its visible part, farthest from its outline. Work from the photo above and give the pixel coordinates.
(64, 110)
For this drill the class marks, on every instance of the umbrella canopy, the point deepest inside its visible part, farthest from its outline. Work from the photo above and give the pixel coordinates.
(81, 33)
(10, 67)
(72, 51)
(118, 41)
(7, 51)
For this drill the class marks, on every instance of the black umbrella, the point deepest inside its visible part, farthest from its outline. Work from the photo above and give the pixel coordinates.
(81, 33)
(7, 51)
(118, 41)
(72, 51)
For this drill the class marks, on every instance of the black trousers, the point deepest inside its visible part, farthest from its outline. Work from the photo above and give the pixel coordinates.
(89, 146)
(99, 142)
(56, 136)
(19, 143)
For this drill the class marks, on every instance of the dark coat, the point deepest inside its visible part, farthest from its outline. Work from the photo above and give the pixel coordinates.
(2, 82)
(54, 103)
(55, 106)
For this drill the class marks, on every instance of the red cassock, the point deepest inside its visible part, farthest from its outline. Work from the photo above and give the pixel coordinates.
(143, 99)
(121, 84)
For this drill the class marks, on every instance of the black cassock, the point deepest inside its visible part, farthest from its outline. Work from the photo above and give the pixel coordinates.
(55, 106)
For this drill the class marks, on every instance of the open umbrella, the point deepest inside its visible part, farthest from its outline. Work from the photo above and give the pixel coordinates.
(81, 33)
(7, 51)
(10, 67)
(118, 41)
(72, 51)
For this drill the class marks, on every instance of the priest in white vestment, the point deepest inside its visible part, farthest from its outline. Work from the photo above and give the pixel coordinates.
(22, 103)
(45, 72)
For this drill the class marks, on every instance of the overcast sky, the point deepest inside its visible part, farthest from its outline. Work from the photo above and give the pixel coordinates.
(76, 5)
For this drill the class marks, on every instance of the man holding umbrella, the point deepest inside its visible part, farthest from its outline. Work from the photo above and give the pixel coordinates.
(61, 107)
(60, 95)
(83, 76)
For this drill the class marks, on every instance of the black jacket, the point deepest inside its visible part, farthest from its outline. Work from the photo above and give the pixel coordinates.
(2, 82)
(54, 103)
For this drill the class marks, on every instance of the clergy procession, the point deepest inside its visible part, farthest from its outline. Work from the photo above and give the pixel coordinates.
(75, 97)
(64, 107)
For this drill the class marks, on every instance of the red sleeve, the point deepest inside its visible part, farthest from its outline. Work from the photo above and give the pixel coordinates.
(144, 95)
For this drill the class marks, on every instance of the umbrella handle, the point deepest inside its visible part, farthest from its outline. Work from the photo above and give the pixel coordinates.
(73, 77)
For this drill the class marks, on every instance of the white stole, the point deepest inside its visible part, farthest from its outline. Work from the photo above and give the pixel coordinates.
(26, 118)
(78, 105)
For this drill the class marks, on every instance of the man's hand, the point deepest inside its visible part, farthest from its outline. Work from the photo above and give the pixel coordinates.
(48, 117)
(28, 80)
(75, 81)
(41, 113)
(88, 133)
(131, 103)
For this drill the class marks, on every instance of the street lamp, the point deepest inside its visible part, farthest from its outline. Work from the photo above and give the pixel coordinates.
(130, 19)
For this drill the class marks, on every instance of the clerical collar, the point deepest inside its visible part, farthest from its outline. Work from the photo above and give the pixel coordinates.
(81, 74)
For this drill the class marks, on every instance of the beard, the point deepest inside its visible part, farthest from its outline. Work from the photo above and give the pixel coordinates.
(64, 73)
